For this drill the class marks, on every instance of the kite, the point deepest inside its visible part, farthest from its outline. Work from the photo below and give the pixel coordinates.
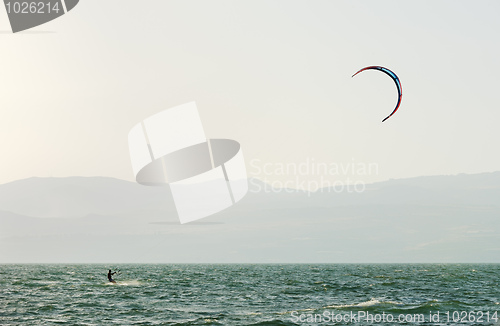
(396, 81)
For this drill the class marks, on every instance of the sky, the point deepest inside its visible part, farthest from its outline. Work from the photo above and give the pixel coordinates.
(273, 75)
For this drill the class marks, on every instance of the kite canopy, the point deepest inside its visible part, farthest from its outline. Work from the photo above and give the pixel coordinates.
(396, 81)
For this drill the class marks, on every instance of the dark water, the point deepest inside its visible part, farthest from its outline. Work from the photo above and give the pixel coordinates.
(249, 294)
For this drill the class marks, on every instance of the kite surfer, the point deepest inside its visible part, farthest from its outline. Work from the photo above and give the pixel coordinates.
(110, 278)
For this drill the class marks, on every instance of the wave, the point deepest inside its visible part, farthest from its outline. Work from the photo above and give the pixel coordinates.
(370, 303)
(212, 321)
(432, 304)
(130, 283)
(125, 283)
(297, 310)
(274, 322)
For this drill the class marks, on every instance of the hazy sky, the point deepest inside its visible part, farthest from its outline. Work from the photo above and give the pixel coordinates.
(274, 75)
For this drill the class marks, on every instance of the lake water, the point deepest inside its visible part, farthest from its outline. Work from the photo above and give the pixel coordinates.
(295, 294)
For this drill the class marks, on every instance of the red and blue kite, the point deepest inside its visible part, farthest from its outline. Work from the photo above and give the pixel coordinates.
(396, 80)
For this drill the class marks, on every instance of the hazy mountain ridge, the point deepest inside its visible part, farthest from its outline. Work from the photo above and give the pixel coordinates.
(449, 218)
(80, 196)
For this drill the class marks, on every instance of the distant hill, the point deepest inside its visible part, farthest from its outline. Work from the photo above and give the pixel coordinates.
(79, 196)
(425, 219)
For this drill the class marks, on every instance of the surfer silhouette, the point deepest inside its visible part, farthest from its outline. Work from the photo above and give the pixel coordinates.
(110, 276)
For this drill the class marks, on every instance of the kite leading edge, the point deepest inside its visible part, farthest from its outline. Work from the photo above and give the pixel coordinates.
(396, 81)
